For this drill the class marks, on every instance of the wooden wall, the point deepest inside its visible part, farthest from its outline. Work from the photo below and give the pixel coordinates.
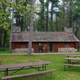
(40, 47)
(63, 45)
(19, 45)
(45, 46)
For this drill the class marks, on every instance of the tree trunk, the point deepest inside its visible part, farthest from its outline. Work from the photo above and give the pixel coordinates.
(42, 17)
(47, 16)
(56, 22)
(52, 16)
(31, 30)
(70, 14)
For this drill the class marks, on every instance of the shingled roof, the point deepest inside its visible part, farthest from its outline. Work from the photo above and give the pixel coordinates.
(44, 37)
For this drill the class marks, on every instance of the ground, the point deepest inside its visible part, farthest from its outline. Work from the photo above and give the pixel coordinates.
(57, 64)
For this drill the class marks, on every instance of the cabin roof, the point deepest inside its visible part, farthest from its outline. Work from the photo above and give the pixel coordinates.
(44, 37)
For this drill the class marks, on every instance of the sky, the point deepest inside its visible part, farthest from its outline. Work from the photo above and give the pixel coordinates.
(37, 1)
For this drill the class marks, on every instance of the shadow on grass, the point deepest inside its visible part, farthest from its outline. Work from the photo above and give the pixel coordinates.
(72, 69)
(4, 51)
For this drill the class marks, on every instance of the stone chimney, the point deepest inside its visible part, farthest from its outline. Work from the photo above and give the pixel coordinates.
(68, 29)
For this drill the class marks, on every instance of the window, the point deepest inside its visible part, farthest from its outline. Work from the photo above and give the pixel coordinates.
(66, 45)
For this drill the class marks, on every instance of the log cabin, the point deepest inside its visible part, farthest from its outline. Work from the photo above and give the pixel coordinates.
(44, 42)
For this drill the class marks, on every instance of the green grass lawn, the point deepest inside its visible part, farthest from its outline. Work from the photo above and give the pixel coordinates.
(57, 62)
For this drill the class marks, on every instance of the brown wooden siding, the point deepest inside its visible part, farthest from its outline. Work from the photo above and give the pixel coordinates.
(40, 47)
(19, 45)
(45, 46)
(63, 45)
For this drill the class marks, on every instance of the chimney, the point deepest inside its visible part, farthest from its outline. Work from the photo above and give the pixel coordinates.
(70, 30)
